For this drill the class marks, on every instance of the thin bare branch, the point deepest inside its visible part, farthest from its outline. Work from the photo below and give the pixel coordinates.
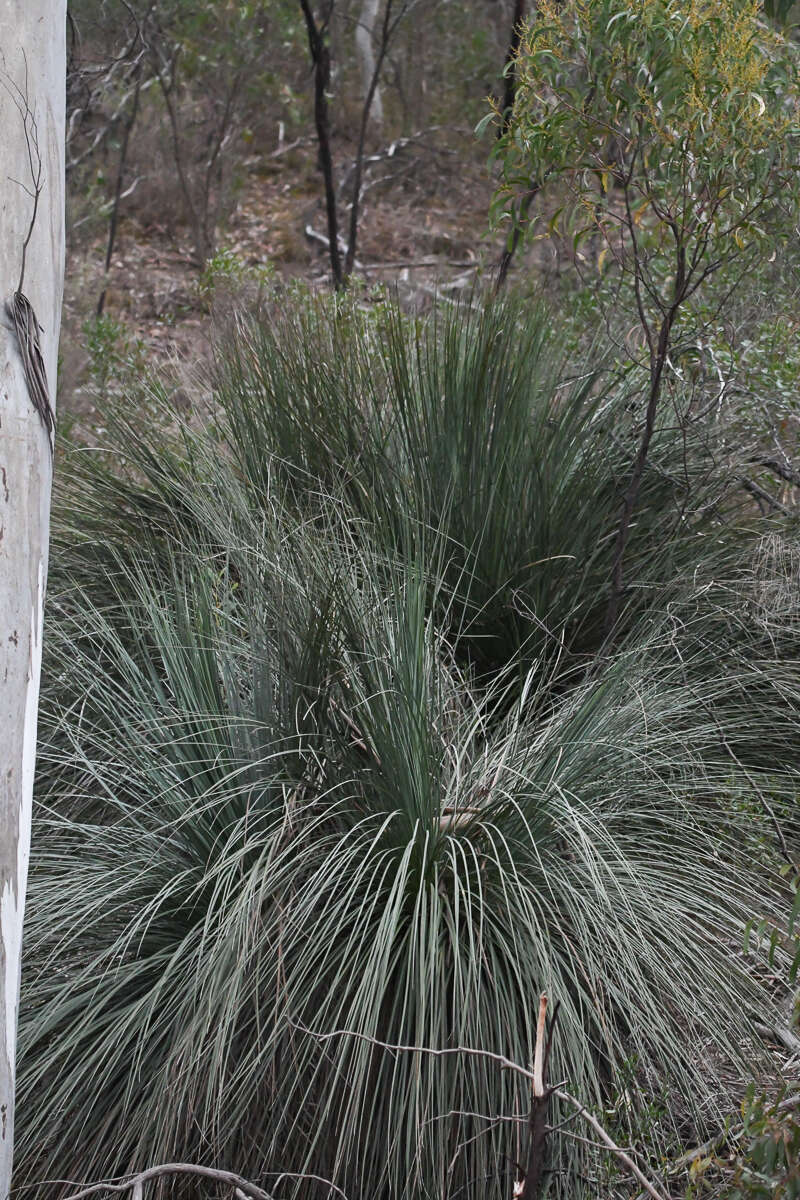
(243, 1187)
(507, 1064)
(131, 1182)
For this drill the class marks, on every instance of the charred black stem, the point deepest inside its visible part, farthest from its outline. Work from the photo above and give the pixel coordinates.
(123, 159)
(321, 59)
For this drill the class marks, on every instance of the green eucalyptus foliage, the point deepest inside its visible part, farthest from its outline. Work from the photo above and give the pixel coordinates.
(759, 1158)
(779, 10)
(668, 129)
(770, 1164)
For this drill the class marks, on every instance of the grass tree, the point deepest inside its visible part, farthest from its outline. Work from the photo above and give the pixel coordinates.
(668, 129)
(32, 74)
(287, 791)
(462, 420)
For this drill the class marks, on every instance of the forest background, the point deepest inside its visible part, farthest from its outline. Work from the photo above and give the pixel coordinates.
(423, 617)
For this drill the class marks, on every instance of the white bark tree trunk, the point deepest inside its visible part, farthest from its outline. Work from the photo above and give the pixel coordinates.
(32, 77)
(365, 49)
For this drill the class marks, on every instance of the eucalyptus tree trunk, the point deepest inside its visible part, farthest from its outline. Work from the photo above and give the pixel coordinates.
(32, 100)
(365, 49)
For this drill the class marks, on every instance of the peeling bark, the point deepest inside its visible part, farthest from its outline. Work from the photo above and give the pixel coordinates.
(32, 98)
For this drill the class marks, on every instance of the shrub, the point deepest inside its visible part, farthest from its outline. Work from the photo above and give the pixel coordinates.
(276, 799)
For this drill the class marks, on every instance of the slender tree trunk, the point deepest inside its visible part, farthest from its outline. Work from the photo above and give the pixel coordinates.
(509, 96)
(510, 91)
(321, 58)
(372, 91)
(130, 121)
(32, 118)
(640, 462)
(516, 236)
(365, 29)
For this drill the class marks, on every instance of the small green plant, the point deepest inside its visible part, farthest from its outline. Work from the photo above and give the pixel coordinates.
(226, 270)
(764, 1163)
(770, 1165)
(116, 359)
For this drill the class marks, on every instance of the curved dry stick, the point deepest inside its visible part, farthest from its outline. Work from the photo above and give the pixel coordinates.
(135, 1182)
(250, 1190)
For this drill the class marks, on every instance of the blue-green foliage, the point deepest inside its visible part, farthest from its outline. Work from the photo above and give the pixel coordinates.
(330, 742)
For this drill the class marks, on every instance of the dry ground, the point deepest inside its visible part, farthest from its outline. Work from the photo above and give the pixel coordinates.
(423, 230)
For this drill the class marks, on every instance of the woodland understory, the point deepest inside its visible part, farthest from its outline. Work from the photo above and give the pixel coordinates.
(423, 617)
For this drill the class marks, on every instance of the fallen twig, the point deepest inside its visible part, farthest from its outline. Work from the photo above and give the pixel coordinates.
(783, 469)
(782, 1034)
(760, 493)
(416, 265)
(136, 1182)
(243, 1188)
(314, 235)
